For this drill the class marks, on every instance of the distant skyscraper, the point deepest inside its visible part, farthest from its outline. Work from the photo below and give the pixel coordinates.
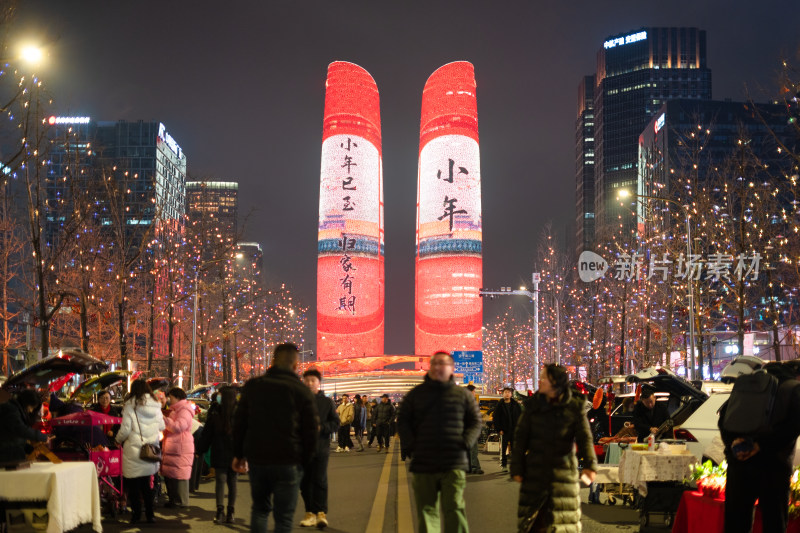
(147, 193)
(584, 166)
(666, 150)
(216, 203)
(448, 310)
(141, 154)
(350, 264)
(636, 73)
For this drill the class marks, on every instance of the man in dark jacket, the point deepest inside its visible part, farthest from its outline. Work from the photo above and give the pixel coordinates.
(505, 419)
(760, 466)
(15, 428)
(384, 416)
(648, 414)
(275, 433)
(314, 486)
(438, 422)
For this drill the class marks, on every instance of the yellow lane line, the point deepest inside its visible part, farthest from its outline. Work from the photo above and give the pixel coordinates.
(376, 516)
(404, 520)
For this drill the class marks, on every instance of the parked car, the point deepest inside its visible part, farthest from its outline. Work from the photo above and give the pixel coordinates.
(701, 430)
(51, 368)
(201, 394)
(115, 382)
(680, 396)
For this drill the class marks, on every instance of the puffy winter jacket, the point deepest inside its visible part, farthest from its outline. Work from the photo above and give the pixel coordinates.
(384, 413)
(543, 454)
(346, 413)
(152, 423)
(438, 423)
(178, 450)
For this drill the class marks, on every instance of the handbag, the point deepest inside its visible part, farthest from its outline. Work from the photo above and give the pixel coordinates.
(149, 452)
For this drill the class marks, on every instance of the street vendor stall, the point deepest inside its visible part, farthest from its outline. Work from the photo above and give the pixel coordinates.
(70, 490)
(658, 477)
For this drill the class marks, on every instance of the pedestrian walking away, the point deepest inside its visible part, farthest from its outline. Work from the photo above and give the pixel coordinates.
(217, 436)
(543, 458)
(178, 450)
(275, 435)
(314, 485)
(142, 423)
(346, 413)
(437, 423)
(505, 417)
(384, 417)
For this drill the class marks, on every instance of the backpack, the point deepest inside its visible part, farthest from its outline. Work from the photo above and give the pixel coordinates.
(748, 411)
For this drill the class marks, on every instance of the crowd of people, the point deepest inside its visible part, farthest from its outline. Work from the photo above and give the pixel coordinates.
(280, 429)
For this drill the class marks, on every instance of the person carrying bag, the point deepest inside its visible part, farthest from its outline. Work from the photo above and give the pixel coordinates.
(141, 414)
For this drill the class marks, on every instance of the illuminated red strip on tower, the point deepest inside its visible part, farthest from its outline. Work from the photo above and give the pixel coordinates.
(350, 264)
(449, 264)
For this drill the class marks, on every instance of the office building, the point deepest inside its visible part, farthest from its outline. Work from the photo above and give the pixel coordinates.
(449, 263)
(584, 167)
(350, 247)
(636, 73)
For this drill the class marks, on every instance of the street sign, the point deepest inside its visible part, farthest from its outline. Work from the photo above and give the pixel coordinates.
(470, 364)
(537, 277)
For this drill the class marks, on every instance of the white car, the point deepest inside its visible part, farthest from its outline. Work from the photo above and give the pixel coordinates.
(701, 432)
(700, 429)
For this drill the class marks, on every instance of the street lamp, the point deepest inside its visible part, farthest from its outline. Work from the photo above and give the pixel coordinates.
(31, 54)
(534, 296)
(623, 193)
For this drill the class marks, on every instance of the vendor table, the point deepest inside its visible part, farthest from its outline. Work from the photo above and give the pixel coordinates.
(638, 467)
(70, 489)
(702, 514)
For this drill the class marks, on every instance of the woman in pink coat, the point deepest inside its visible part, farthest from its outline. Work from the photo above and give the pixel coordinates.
(178, 448)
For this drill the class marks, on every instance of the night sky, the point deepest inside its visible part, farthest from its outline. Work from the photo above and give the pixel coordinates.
(241, 86)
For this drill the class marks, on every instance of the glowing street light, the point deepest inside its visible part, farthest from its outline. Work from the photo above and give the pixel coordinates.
(31, 54)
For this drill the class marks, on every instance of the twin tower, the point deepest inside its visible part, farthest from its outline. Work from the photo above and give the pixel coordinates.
(350, 265)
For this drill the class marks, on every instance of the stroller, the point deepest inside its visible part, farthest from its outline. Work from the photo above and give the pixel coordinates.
(107, 462)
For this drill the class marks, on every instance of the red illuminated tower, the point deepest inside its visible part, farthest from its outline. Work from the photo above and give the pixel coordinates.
(449, 311)
(350, 264)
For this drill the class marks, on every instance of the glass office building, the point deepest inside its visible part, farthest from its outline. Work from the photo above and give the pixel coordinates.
(584, 166)
(636, 73)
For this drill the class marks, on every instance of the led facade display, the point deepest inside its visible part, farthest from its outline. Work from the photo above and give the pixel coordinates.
(350, 264)
(449, 265)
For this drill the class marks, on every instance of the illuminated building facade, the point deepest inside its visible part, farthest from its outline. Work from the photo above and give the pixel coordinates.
(666, 148)
(636, 73)
(144, 158)
(350, 263)
(448, 310)
(148, 168)
(584, 166)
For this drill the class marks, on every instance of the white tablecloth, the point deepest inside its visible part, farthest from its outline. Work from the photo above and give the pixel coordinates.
(70, 489)
(637, 468)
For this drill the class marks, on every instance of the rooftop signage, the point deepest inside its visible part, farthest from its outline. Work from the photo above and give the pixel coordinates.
(627, 39)
(68, 120)
(659, 122)
(164, 135)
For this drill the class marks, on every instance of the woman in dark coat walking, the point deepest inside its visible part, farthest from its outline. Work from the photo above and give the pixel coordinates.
(218, 435)
(543, 459)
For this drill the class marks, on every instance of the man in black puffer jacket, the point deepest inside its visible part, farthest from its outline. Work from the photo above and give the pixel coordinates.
(438, 422)
(275, 433)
